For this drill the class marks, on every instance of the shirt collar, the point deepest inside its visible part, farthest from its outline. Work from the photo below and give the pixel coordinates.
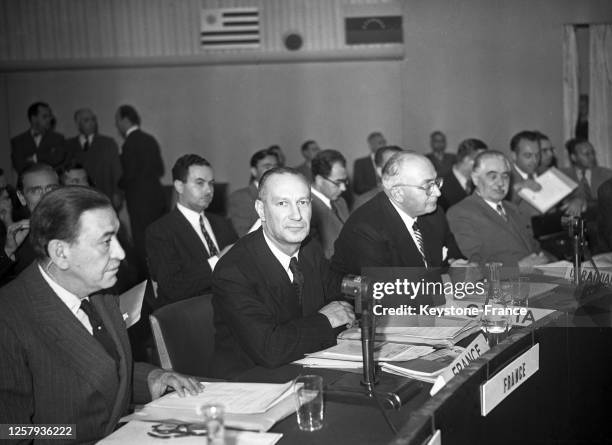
(521, 173)
(491, 204)
(321, 196)
(131, 130)
(408, 220)
(83, 138)
(68, 298)
(282, 257)
(192, 216)
(462, 179)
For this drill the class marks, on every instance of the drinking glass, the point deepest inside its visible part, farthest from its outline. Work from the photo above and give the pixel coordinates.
(213, 419)
(308, 391)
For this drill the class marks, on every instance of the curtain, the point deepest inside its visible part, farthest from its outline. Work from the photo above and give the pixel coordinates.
(570, 83)
(600, 100)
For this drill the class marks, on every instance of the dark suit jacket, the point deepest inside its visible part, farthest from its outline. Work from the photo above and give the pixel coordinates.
(523, 206)
(376, 236)
(484, 236)
(101, 161)
(241, 209)
(177, 257)
(325, 225)
(599, 175)
(24, 256)
(443, 167)
(364, 175)
(452, 191)
(258, 319)
(51, 150)
(53, 371)
(305, 169)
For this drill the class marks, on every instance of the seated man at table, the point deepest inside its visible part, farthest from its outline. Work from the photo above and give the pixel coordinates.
(271, 304)
(489, 229)
(65, 352)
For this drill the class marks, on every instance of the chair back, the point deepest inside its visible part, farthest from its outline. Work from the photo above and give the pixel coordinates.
(184, 335)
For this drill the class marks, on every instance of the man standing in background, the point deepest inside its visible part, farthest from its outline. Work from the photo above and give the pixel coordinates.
(142, 169)
(364, 169)
(443, 162)
(309, 150)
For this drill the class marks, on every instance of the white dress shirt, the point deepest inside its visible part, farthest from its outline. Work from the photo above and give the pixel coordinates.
(69, 299)
(408, 222)
(83, 138)
(584, 173)
(322, 197)
(282, 257)
(132, 129)
(194, 220)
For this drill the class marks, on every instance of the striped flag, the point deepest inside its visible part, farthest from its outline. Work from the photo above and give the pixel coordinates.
(229, 28)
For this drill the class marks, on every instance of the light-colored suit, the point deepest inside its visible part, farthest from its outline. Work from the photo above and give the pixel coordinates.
(484, 236)
(53, 371)
(325, 224)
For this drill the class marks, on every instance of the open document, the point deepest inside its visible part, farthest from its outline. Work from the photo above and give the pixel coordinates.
(555, 186)
(248, 406)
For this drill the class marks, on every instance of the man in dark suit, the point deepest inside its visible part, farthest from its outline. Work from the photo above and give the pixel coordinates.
(489, 229)
(241, 205)
(271, 304)
(442, 162)
(65, 353)
(401, 226)
(329, 210)
(309, 150)
(525, 153)
(142, 169)
(39, 143)
(184, 245)
(33, 183)
(458, 183)
(364, 169)
(382, 155)
(99, 155)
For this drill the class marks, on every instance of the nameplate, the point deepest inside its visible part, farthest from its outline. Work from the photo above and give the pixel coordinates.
(530, 315)
(589, 274)
(473, 351)
(506, 381)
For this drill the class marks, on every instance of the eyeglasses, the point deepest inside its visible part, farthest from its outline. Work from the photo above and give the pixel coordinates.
(427, 188)
(338, 182)
(165, 430)
(39, 189)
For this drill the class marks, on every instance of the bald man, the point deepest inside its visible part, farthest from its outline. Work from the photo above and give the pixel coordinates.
(271, 303)
(402, 226)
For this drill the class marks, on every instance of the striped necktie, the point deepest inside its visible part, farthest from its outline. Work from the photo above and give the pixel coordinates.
(501, 211)
(418, 238)
(298, 278)
(98, 330)
(212, 249)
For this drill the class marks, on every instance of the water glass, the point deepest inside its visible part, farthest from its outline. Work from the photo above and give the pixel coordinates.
(520, 291)
(308, 391)
(213, 419)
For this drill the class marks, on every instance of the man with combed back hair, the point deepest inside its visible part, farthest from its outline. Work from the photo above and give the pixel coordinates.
(66, 357)
(270, 298)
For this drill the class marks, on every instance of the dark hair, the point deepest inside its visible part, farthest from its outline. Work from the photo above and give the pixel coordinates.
(380, 153)
(73, 165)
(469, 146)
(180, 171)
(323, 162)
(525, 134)
(541, 136)
(33, 109)
(436, 133)
(33, 168)
(278, 171)
(129, 112)
(573, 143)
(57, 215)
(373, 135)
(260, 154)
(305, 145)
(480, 157)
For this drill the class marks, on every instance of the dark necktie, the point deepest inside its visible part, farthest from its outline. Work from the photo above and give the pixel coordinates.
(584, 184)
(86, 144)
(469, 187)
(502, 212)
(99, 331)
(334, 208)
(298, 278)
(531, 177)
(418, 238)
(212, 249)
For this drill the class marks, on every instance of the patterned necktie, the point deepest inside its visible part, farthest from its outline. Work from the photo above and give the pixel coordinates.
(501, 211)
(99, 331)
(418, 238)
(212, 249)
(298, 278)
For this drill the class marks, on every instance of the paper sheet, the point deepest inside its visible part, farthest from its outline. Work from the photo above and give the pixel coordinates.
(555, 186)
(130, 303)
(136, 433)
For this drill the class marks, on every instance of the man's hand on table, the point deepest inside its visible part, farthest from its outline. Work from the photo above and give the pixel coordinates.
(532, 260)
(339, 313)
(159, 380)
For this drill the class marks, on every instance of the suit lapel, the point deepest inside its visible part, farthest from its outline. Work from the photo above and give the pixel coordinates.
(187, 233)
(400, 239)
(63, 332)
(509, 226)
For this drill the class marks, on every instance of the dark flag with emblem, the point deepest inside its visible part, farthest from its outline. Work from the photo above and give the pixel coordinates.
(229, 28)
(368, 30)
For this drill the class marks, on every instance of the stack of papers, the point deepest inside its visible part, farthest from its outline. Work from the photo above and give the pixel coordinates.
(426, 368)
(555, 186)
(248, 406)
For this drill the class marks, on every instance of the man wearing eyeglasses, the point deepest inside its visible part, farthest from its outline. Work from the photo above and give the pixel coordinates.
(489, 229)
(402, 226)
(32, 184)
(329, 210)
